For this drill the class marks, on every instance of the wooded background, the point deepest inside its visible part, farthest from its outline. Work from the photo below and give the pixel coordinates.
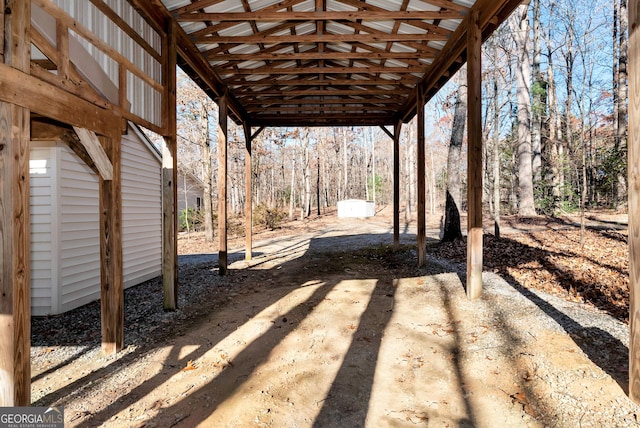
(555, 130)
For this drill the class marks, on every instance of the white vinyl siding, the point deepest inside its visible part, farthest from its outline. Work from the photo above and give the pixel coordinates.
(65, 228)
(188, 189)
(141, 210)
(79, 251)
(43, 239)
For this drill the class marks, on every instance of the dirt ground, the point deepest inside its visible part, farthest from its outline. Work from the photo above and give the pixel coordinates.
(327, 326)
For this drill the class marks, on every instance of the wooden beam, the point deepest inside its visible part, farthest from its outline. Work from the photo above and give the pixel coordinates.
(195, 5)
(326, 92)
(169, 173)
(248, 200)
(52, 9)
(18, 87)
(62, 45)
(474, 157)
(111, 275)
(366, 70)
(125, 27)
(396, 184)
(91, 143)
(222, 184)
(315, 55)
(43, 130)
(324, 101)
(15, 269)
(261, 16)
(406, 82)
(420, 159)
(321, 38)
(634, 199)
(444, 4)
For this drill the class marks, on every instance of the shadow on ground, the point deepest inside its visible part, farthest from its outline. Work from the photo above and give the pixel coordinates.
(314, 334)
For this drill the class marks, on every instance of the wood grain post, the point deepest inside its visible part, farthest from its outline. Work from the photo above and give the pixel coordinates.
(422, 227)
(634, 199)
(396, 184)
(222, 184)
(169, 174)
(15, 269)
(474, 157)
(111, 289)
(248, 202)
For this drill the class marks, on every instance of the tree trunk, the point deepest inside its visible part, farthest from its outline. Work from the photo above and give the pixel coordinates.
(307, 177)
(568, 131)
(538, 97)
(292, 191)
(432, 184)
(207, 175)
(452, 229)
(318, 176)
(496, 160)
(616, 91)
(520, 29)
(621, 139)
(373, 165)
(365, 176)
(555, 137)
(345, 166)
(411, 167)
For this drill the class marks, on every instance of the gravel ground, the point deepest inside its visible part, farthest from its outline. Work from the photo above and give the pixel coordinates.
(570, 359)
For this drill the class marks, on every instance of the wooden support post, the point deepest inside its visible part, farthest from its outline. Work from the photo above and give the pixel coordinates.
(422, 227)
(396, 184)
(634, 199)
(15, 269)
(248, 202)
(222, 184)
(474, 157)
(169, 174)
(111, 289)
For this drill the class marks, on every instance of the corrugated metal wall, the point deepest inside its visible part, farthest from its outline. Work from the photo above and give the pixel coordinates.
(145, 101)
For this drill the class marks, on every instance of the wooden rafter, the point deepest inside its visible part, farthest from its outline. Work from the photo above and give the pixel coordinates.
(264, 55)
(350, 55)
(368, 15)
(314, 55)
(376, 37)
(401, 83)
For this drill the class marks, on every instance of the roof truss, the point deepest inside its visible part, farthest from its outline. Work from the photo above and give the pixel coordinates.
(324, 62)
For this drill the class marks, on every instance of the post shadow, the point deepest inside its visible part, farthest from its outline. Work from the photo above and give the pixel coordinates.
(616, 355)
(218, 389)
(584, 337)
(350, 392)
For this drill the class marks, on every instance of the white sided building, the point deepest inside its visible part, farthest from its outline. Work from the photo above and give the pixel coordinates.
(65, 228)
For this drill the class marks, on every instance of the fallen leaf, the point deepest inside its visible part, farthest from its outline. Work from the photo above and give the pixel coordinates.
(190, 366)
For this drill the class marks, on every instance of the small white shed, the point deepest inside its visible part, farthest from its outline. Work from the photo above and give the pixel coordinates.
(65, 238)
(356, 208)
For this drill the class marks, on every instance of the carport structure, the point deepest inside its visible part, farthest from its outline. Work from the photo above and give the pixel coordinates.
(266, 63)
